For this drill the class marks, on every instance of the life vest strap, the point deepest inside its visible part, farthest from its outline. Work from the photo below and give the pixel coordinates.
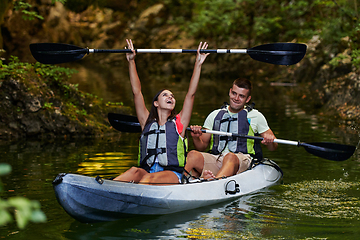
(154, 131)
(152, 152)
(229, 119)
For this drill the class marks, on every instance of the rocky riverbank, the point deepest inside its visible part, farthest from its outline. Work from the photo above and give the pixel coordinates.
(37, 102)
(329, 84)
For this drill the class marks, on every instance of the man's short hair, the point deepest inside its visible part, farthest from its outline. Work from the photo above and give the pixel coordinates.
(243, 83)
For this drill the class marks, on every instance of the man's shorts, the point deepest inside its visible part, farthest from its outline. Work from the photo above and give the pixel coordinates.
(215, 162)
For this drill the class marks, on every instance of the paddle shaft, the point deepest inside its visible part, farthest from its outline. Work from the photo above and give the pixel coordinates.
(245, 51)
(282, 141)
(168, 50)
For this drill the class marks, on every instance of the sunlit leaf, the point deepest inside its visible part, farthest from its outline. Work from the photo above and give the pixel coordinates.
(38, 216)
(26, 210)
(5, 217)
(19, 202)
(4, 169)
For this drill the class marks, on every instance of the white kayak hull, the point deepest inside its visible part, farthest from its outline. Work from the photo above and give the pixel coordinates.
(90, 200)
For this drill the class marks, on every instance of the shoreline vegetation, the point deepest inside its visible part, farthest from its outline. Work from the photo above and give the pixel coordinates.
(39, 101)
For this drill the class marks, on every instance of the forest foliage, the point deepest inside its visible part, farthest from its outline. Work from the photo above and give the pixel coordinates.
(255, 21)
(260, 21)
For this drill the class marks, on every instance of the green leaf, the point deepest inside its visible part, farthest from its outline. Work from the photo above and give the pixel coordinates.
(19, 202)
(5, 217)
(38, 216)
(23, 210)
(4, 169)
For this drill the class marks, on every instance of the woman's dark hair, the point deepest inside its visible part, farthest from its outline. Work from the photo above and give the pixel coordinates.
(153, 115)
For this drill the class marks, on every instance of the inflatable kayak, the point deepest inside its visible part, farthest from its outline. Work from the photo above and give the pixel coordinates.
(90, 199)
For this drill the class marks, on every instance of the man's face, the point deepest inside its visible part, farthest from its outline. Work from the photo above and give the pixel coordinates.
(238, 98)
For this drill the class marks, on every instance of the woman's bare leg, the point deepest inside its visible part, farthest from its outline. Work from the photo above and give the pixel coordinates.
(133, 174)
(160, 178)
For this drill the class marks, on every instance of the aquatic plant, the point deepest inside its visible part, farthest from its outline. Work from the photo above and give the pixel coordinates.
(20, 208)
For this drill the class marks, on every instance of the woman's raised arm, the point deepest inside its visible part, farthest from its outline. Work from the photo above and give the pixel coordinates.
(185, 114)
(141, 110)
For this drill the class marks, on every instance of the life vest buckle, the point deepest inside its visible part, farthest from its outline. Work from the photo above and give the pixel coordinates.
(158, 151)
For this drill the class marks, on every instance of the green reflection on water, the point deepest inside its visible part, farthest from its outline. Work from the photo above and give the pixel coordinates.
(318, 198)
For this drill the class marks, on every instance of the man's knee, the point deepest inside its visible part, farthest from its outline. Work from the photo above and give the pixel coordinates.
(193, 158)
(231, 158)
(195, 163)
(193, 155)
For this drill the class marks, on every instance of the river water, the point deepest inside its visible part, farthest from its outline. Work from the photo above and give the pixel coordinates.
(316, 199)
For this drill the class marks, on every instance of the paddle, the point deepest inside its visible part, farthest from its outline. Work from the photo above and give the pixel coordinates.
(330, 151)
(124, 123)
(275, 53)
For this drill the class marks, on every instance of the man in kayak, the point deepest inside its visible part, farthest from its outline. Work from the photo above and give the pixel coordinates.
(229, 156)
(162, 143)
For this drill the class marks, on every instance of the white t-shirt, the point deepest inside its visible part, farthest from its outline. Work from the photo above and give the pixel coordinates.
(256, 119)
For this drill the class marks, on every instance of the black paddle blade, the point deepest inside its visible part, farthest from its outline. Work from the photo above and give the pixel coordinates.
(53, 53)
(124, 123)
(278, 53)
(330, 151)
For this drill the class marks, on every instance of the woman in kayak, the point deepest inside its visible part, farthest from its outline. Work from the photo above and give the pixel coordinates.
(162, 143)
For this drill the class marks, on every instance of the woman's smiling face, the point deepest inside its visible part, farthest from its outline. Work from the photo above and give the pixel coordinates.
(165, 100)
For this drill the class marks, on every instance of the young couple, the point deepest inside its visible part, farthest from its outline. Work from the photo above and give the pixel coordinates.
(162, 155)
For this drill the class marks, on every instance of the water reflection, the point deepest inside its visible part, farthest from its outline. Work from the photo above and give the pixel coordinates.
(318, 198)
(107, 163)
(221, 221)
